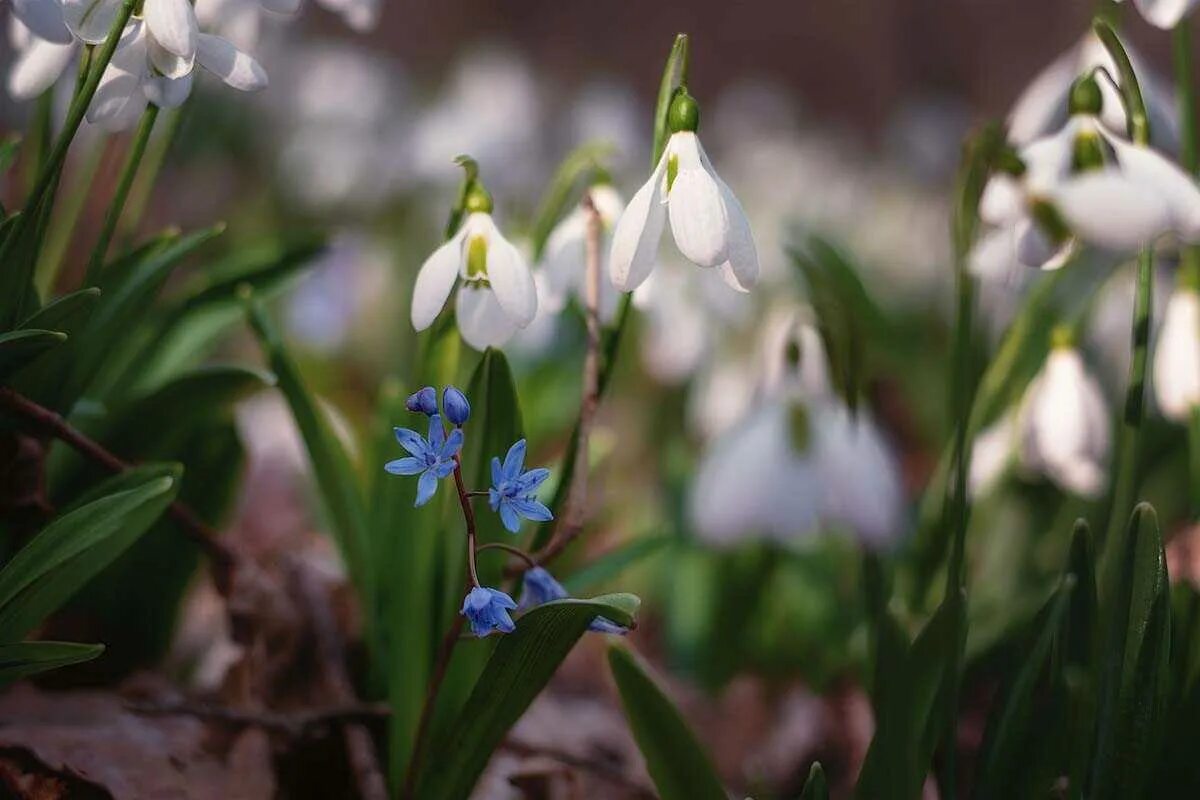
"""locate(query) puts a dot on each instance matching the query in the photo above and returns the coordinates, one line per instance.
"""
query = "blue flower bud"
(540, 587)
(455, 404)
(487, 610)
(423, 402)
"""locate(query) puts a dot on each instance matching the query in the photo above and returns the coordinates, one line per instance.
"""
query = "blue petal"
(494, 499)
(527, 483)
(405, 466)
(437, 434)
(504, 623)
(412, 441)
(444, 468)
(426, 486)
(529, 508)
(514, 461)
(603, 625)
(497, 475)
(509, 517)
(476, 599)
(453, 444)
(500, 599)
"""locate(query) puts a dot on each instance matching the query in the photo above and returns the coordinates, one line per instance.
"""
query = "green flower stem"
(137, 148)
(143, 186)
(48, 176)
(40, 133)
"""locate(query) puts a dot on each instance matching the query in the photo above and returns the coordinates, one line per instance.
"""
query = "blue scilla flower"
(458, 410)
(487, 610)
(423, 402)
(541, 587)
(512, 491)
(432, 458)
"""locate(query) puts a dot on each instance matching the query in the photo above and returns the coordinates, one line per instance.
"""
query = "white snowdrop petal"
(1161, 176)
(172, 23)
(90, 20)
(435, 279)
(563, 261)
(231, 65)
(991, 453)
(44, 18)
(1043, 104)
(1164, 14)
(1177, 357)
(1002, 202)
(120, 91)
(168, 92)
(994, 257)
(166, 62)
(481, 320)
(637, 233)
(37, 68)
(740, 268)
(699, 218)
(608, 203)
(511, 280)
(1109, 210)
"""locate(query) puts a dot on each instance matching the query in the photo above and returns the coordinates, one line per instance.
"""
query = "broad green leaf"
(63, 313)
(21, 347)
(20, 245)
(335, 474)
(581, 166)
(1135, 677)
(42, 380)
(815, 788)
(677, 763)
(74, 547)
(22, 659)
(520, 667)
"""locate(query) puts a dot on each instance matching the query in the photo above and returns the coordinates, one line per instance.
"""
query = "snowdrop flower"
(432, 458)
(487, 610)
(361, 15)
(539, 586)
(707, 221)
(1065, 426)
(43, 19)
(991, 454)
(496, 293)
(1043, 107)
(40, 61)
(511, 494)
(172, 32)
(1177, 355)
(1165, 14)
(564, 262)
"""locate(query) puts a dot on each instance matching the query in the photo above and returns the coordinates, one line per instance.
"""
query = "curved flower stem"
(508, 548)
(137, 149)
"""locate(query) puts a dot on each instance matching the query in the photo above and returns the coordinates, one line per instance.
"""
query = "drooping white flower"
(171, 30)
(43, 19)
(1177, 356)
(707, 221)
(1043, 107)
(496, 291)
(564, 262)
(992, 453)
(1165, 14)
(40, 62)
(1065, 426)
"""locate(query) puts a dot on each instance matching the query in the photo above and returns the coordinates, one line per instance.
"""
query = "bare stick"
(52, 424)
(331, 657)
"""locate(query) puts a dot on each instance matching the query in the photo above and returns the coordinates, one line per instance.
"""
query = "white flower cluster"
(158, 52)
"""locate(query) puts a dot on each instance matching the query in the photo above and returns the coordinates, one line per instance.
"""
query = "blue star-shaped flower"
(432, 458)
(541, 587)
(512, 491)
(487, 610)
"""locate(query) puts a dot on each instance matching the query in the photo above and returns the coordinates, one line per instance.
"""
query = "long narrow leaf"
(22, 659)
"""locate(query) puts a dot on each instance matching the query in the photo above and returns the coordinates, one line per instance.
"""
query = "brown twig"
(570, 524)
(52, 424)
(597, 767)
(294, 725)
(360, 749)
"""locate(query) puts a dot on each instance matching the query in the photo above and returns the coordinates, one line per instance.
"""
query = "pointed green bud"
(684, 113)
(1086, 97)
(478, 199)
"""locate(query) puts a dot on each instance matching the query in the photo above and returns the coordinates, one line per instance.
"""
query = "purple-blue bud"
(455, 404)
(423, 402)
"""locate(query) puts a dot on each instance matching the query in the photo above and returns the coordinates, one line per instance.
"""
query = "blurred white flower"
(239, 21)
(361, 15)
(607, 112)
(40, 62)
(707, 221)
(1043, 107)
(564, 261)
(497, 294)
(1177, 356)
(1065, 425)
(43, 19)
(170, 30)
(338, 292)
(1165, 14)
(991, 455)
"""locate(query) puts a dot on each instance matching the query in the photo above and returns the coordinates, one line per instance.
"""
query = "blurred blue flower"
(541, 587)
(432, 458)
(423, 402)
(512, 490)
(487, 610)
(458, 410)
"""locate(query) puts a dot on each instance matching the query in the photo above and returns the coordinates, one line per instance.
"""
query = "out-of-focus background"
(842, 118)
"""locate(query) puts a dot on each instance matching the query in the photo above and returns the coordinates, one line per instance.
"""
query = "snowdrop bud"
(1086, 97)
(478, 199)
(1177, 355)
(454, 402)
(423, 402)
(684, 113)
